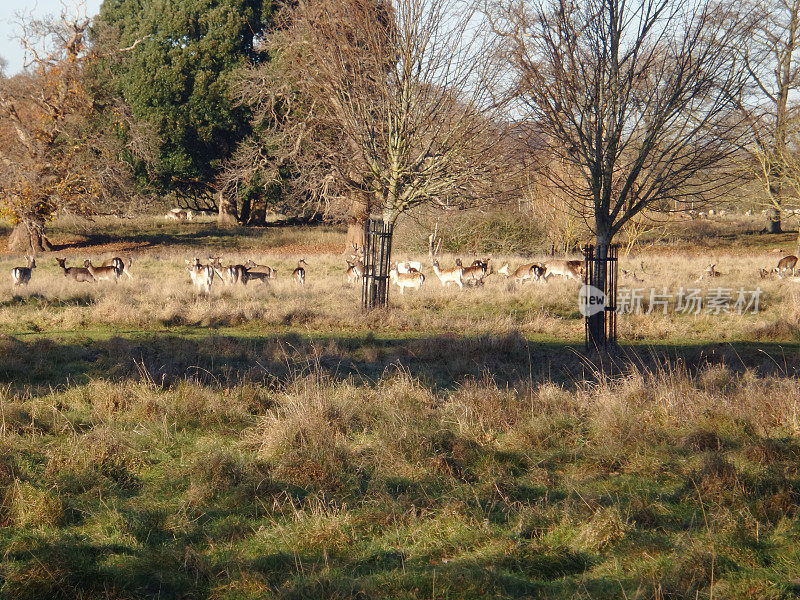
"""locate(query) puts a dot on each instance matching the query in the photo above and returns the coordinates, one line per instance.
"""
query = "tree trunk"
(246, 214)
(596, 323)
(774, 221)
(227, 210)
(28, 237)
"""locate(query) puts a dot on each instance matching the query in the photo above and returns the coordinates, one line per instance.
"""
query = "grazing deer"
(449, 275)
(711, 272)
(413, 279)
(787, 263)
(231, 274)
(109, 273)
(22, 275)
(532, 271)
(80, 274)
(179, 214)
(202, 275)
(571, 269)
(299, 274)
(119, 265)
(259, 272)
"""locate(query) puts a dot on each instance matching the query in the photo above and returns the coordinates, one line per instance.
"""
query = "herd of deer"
(111, 270)
(406, 274)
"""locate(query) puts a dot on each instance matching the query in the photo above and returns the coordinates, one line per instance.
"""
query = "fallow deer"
(80, 274)
(22, 275)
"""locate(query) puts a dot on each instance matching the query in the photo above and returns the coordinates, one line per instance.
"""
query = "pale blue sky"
(10, 49)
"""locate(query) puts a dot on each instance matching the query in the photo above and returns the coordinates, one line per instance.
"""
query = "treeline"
(600, 108)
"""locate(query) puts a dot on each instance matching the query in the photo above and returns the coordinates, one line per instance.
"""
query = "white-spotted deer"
(22, 275)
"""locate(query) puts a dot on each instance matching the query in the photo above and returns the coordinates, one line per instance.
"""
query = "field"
(277, 442)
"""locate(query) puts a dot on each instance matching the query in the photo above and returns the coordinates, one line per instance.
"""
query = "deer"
(787, 263)
(22, 275)
(571, 269)
(413, 279)
(119, 265)
(231, 274)
(355, 270)
(80, 274)
(202, 275)
(711, 271)
(408, 266)
(259, 272)
(532, 271)
(447, 276)
(475, 272)
(109, 273)
(299, 274)
(179, 214)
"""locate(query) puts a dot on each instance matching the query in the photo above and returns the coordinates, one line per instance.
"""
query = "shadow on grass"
(442, 361)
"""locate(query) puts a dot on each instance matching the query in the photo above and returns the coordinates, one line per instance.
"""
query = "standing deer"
(22, 275)
(259, 272)
(119, 265)
(447, 276)
(299, 274)
(413, 279)
(532, 271)
(109, 273)
(80, 274)
(202, 275)
(231, 274)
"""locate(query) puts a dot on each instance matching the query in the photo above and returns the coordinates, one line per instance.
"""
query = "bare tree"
(51, 157)
(634, 100)
(769, 57)
(377, 107)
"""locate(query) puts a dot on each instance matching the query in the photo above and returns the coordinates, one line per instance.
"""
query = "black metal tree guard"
(377, 254)
(602, 273)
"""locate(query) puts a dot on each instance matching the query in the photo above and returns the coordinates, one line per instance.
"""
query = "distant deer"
(710, 272)
(532, 271)
(22, 275)
(447, 276)
(80, 274)
(202, 275)
(787, 263)
(119, 265)
(571, 269)
(109, 273)
(299, 274)
(259, 272)
(413, 280)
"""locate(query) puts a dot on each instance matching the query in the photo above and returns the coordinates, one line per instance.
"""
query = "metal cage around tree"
(377, 256)
(601, 272)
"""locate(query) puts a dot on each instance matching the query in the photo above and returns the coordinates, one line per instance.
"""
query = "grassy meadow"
(273, 441)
